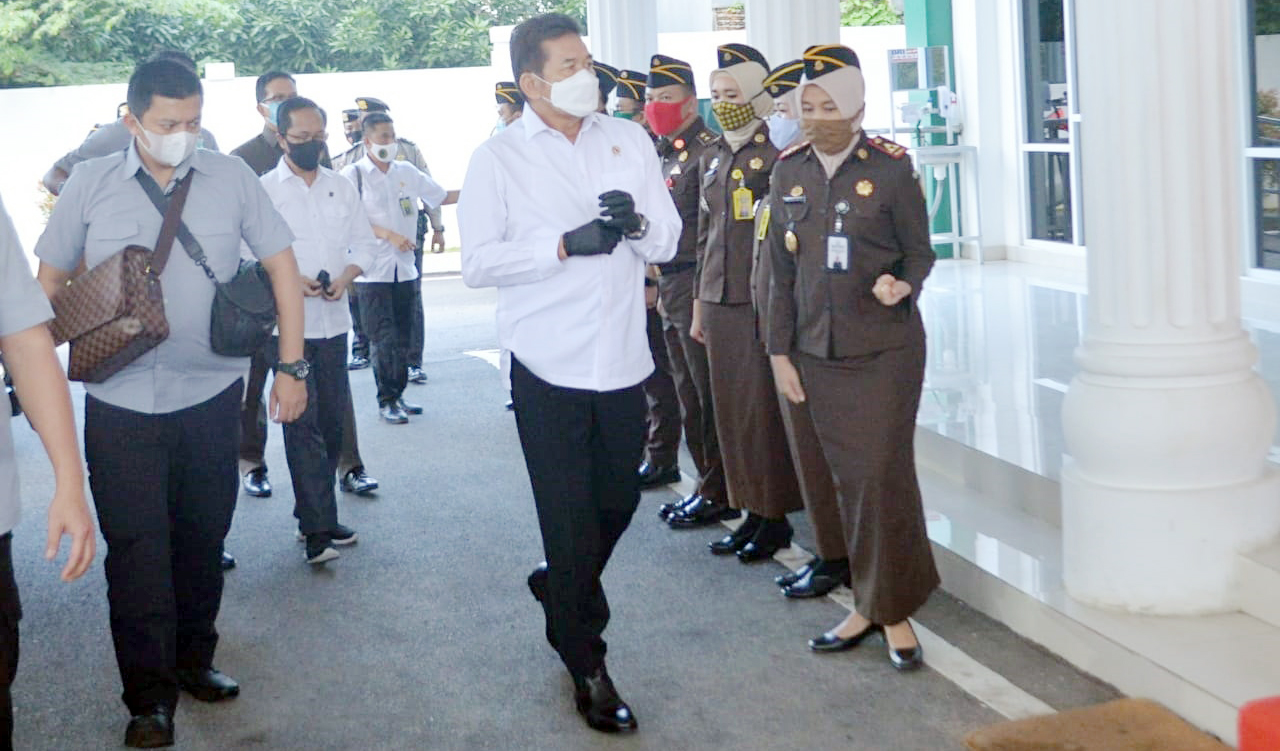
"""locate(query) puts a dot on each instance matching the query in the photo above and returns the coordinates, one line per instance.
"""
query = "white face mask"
(170, 150)
(782, 130)
(578, 95)
(384, 152)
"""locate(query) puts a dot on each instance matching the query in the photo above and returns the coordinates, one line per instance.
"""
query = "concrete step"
(1258, 580)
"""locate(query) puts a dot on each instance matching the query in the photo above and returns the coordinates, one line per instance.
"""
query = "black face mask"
(306, 155)
(355, 136)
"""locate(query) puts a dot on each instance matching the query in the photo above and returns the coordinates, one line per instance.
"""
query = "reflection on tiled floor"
(1002, 338)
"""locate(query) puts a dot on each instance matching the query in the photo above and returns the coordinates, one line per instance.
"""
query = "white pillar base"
(1166, 551)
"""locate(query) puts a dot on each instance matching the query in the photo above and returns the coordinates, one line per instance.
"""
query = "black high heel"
(738, 538)
(906, 660)
(830, 642)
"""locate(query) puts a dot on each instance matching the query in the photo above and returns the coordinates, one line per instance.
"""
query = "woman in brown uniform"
(734, 173)
(830, 568)
(849, 241)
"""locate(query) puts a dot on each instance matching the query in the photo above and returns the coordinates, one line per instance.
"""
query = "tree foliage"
(868, 13)
(52, 42)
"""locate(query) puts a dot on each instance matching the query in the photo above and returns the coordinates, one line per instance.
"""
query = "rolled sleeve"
(261, 226)
(488, 258)
(22, 301)
(430, 191)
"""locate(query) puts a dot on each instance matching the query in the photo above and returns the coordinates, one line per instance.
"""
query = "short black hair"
(376, 118)
(160, 78)
(260, 89)
(527, 55)
(284, 116)
(173, 55)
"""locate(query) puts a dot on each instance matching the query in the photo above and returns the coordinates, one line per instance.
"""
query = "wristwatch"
(299, 370)
(642, 231)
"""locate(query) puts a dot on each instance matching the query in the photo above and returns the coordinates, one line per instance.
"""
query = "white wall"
(448, 112)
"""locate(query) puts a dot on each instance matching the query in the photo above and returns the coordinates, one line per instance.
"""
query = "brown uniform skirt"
(753, 441)
(814, 474)
(864, 410)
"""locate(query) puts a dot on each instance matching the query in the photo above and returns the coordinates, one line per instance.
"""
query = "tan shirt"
(680, 155)
(725, 231)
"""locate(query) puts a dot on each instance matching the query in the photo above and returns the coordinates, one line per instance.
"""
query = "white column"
(782, 30)
(1167, 425)
(624, 33)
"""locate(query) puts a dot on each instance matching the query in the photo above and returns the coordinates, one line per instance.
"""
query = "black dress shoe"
(207, 684)
(417, 375)
(599, 703)
(256, 484)
(151, 729)
(772, 536)
(830, 642)
(358, 362)
(538, 588)
(735, 540)
(820, 580)
(701, 513)
(905, 660)
(409, 409)
(791, 577)
(357, 481)
(667, 509)
(392, 414)
(228, 561)
(653, 476)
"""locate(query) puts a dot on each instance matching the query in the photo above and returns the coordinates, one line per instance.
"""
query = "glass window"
(1044, 36)
(1266, 180)
(1049, 180)
(1266, 73)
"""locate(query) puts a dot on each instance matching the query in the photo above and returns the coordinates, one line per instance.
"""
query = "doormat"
(1123, 725)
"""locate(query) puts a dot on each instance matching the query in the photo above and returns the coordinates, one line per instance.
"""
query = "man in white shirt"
(333, 245)
(390, 190)
(571, 316)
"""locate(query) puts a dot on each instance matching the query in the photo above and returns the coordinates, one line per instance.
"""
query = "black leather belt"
(675, 268)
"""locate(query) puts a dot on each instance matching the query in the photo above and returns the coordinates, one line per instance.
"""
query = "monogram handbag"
(114, 313)
(244, 308)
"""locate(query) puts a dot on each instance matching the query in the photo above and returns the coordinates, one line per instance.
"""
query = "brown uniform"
(689, 367)
(757, 463)
(812, 471)
(861, 363)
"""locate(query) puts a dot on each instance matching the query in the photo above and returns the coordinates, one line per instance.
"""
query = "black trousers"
(313, 442)
(359, 342)
(663, 440)
(387, 308)
(10, 613)
(417, 335)
(582, 449)
(165, 489)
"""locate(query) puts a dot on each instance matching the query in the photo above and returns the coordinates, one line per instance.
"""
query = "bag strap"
(171, 208)
(359, 182)
(173, 224)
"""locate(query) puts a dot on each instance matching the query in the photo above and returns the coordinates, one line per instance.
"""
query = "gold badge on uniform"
(756, 163)
(862, 154)
(865, 188)
(791, 241)
(684, 156)
(797, 190)
(678, 143)
(762, 226)
(759, 138)
(736, 174)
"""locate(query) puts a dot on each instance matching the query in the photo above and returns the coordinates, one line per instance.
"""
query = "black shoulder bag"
(244, 308)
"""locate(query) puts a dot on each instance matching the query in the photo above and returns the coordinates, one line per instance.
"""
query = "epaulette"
(793, 150)
(707, 137)
(351, 150)
(407, 142)
(888, 147)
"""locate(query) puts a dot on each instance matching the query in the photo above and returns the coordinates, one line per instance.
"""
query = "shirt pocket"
(220, 240)
(624, 180)
(105, 237)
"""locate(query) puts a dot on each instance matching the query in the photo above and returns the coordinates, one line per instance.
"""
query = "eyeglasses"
(301, 138)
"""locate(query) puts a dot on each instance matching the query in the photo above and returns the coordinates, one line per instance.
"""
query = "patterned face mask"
(732, 115)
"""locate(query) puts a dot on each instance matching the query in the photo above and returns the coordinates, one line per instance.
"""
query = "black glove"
(620, 211)
(591, 239)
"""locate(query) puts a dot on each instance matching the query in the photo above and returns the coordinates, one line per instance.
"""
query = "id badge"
(406, 206)
(838, 254)
(743, 208)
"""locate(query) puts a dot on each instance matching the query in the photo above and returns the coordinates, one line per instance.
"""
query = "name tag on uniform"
(743, 204)
(406, 206)
(838, 254)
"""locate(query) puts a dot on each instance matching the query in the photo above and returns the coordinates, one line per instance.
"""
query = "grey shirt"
(103, 208)
(22, 305)
(108, 139)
